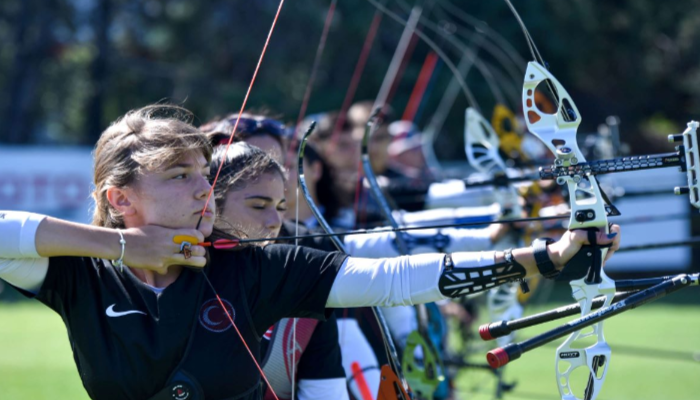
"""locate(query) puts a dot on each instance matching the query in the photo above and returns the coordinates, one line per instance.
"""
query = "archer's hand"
(570, 243)
(152, 247)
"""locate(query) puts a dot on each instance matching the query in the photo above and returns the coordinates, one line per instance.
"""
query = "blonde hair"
(146, 139)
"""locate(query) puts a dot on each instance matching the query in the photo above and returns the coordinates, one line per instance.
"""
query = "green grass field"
(652, 357)
(655, 356)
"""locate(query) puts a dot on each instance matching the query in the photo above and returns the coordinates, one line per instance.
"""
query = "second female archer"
(142, 319)
(296, 352)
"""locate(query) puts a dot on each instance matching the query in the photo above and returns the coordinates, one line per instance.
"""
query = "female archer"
(270, 138)
(250, 202)
(148, 318)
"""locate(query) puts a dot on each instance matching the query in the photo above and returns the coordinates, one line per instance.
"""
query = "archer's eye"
(258, 206)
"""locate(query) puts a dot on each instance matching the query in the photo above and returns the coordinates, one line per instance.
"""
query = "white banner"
(55, 181)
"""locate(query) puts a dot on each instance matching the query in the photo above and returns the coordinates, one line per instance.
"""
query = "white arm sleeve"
(449, 216)
(453, 193)
(398, 281)
(18, 232)
(314, 389)
(27, 274)
(20, 264)
(381, 244)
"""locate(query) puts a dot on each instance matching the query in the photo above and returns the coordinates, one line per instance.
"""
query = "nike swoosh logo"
(111, 313)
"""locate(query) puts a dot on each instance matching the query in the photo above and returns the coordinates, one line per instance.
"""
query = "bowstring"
(309, 85)
(245, 101)
(355, 80)
(240, 335)
(467, 92)
(292, 146)
(213, 185)
(536, 56)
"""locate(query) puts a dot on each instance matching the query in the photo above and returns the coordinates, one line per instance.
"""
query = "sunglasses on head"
(252, 126)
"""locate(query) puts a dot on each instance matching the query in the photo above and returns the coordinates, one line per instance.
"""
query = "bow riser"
(558, 132)
(481, 144)
(559, 135)
(570, 356)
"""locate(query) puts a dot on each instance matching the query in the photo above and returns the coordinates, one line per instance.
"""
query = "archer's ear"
(120, 199)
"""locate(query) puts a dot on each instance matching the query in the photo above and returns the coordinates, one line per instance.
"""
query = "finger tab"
(179, 239)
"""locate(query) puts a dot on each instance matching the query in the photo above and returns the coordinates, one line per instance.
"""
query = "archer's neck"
(157, 280)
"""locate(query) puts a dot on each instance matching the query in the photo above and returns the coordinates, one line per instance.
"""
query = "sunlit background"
(70, 67)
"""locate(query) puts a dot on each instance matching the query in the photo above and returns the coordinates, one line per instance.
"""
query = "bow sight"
(686, 157)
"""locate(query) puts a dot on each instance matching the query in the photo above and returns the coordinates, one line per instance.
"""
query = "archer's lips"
(207, 213)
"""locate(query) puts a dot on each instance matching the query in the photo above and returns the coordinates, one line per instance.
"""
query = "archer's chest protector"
(284, 353)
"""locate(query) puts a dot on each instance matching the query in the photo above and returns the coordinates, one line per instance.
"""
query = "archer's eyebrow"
(188, 166)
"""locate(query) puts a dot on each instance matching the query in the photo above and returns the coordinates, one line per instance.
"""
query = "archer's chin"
(206, 226)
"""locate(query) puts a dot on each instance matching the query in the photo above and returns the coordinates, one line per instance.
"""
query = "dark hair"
(325, 187)
(144, 139)
(243, 164)
(326, 124)
(357, 115)
(219, 130)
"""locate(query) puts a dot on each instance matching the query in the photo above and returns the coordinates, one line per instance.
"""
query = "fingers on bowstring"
(195, 259)
(192, 232)
(197, 251)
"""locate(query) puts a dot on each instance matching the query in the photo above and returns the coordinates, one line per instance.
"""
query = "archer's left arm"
(426, 278)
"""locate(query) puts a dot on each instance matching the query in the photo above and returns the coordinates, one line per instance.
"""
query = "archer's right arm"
(28, 240)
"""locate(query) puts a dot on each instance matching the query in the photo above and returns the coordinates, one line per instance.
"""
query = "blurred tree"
(68, 67)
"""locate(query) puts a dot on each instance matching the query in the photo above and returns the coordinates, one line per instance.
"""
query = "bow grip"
(588, 262)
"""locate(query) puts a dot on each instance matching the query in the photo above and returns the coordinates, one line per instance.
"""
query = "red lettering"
(41, 183)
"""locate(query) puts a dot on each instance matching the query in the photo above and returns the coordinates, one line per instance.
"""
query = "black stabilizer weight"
(494, 330)
(501, 356)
